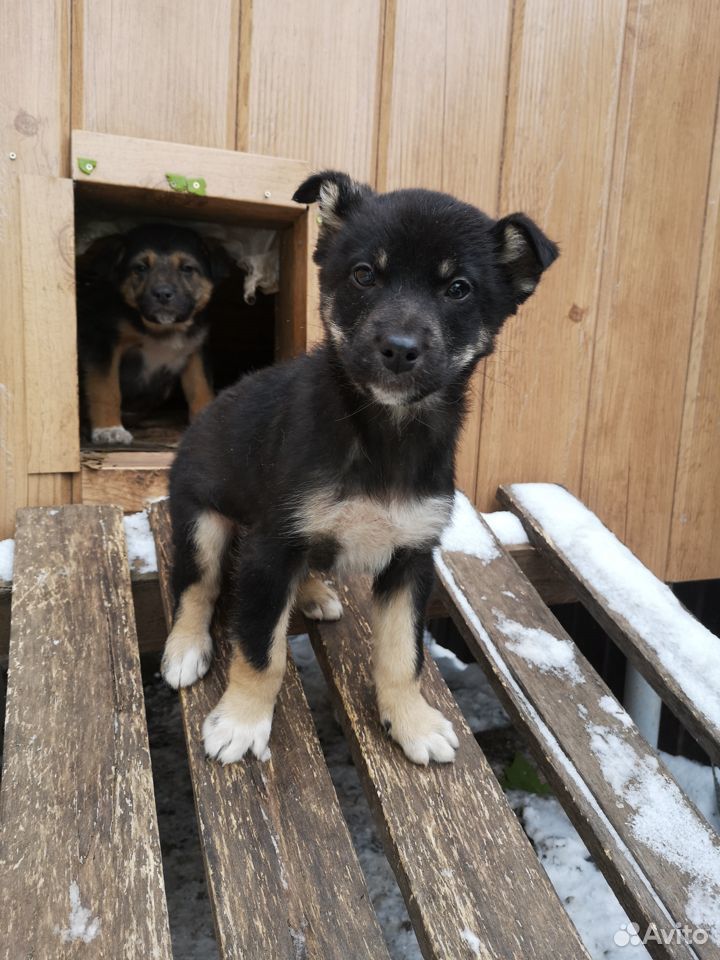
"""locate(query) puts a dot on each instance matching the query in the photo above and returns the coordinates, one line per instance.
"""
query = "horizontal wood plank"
(625, 805)
(282, 873)
(678, 669)
(471, 881)
(80, 861)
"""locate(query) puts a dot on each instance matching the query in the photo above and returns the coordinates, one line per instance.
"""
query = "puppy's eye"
(458, 289)
(140, 268)
(187, 268)
(363, 275)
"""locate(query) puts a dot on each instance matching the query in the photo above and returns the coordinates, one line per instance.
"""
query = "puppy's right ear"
(337, 193)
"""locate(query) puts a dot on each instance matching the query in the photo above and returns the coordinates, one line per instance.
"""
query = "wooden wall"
(596, 117)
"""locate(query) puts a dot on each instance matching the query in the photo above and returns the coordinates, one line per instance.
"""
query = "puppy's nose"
(163, 292)
(399, 351)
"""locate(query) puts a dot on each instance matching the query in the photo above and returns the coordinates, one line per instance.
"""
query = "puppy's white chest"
(169, 353)
(369, 531)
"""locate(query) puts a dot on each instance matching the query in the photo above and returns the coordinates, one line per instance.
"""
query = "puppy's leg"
(264, 579)
(200, 544)
(400, 594)
(102, 389)
(317, 601)
(196, 388)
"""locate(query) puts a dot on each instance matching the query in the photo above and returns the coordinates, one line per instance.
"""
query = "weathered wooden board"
(647, 299)
(471, 881)
(128, 479)
(627, 808)
(695, 528)
(282, 873)
(557, 161)
(441, 124)
(636, 644)
(314, 82)
(168, 71)
(80, 861)
(49, 323)
(264, 183)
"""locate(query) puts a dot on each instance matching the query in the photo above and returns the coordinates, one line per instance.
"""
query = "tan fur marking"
(196, 388)
(102, 391)
(317, 601)
(515, 244)
(446, 268)
(381, 259)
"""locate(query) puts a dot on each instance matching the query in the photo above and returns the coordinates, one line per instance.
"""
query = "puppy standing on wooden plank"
(344, 459)
(141, 323)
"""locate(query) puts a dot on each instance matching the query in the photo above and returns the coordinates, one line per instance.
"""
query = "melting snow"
(82, 926)
(140, 543)
(472, 940)
(549, 654)
(506, 527)
(7, 555)
(686, 649)
(466, 534)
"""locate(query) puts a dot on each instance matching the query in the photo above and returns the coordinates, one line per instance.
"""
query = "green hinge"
(86, 165)
(182, 184)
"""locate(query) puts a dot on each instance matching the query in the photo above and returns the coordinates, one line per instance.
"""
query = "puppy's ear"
(524, 251)
(102, 258)
(337, 193)
(218, 258)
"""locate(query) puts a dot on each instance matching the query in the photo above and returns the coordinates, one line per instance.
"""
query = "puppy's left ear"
(337, 193)
(218, 258)
(524, 251)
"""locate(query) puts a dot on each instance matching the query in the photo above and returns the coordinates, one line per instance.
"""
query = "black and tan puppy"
(141, 323)
(343, 459)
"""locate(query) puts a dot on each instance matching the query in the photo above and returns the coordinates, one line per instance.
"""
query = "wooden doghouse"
(130, 177)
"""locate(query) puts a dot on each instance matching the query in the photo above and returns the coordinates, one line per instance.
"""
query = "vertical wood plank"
(441, 125)
(34, 109)
(650, 271)
(50, 489)
(165, 71)
(695, 528)
(314, 82)
(560, 126)
(48, 285)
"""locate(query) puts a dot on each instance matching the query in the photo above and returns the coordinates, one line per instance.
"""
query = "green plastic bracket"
(177, 182)
(86, 165)
(197, 186)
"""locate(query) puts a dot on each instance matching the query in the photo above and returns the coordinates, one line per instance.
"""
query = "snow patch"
(471, 939)
(140, 543)
(685, 648)
(611, 706)
(466, 534)
(506, 527)
(7, 556)
(549, 654)
(82, 925)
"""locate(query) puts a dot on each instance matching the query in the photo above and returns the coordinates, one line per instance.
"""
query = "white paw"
(423, 732)
(228, 737)
(318, 601)
(111, 435)
(185, 659)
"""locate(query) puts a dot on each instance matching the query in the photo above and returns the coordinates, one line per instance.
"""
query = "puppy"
(141, 323)
(342, 460)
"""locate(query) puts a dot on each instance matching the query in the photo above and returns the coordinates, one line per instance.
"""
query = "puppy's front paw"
(111, 435)
(317, 601)
(421, 730)
(229, 732)
(185, 659)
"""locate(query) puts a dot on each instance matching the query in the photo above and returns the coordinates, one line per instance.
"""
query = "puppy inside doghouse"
(143, 322)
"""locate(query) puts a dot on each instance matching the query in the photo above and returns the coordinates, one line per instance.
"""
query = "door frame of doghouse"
(168, 179)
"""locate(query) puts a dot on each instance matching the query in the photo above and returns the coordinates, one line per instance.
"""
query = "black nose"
(399, 351)
(163, 292)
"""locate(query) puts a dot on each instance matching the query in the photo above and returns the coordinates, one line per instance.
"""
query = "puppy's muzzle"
(399, 352)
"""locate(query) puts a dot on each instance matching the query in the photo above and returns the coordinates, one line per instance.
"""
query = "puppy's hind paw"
(423, 732)
(228, 736)
(185, 659)
(317, 601)
(114, 435)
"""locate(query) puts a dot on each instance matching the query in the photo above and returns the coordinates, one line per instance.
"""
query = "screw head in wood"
(12, 155)
(267, 194)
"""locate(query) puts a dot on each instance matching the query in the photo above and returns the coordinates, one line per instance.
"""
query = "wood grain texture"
(49, 322)
(314, 82)
(166, 71)
(77, 805)
(634, 644)
(282, 873)
(267, 183)
(49, 489)
(462, 862)
(693, 552)
(441, 124)
(585, 743)
(647, 298)
(557, 161)
(126, 479)
(34, 108)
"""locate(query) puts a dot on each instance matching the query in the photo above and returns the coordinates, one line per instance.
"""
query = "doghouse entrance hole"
(242, 337)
